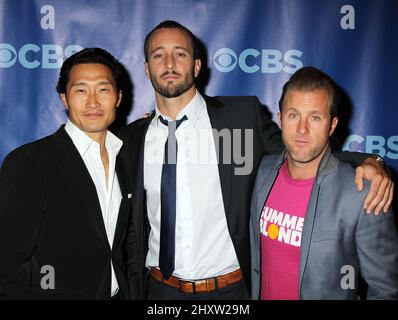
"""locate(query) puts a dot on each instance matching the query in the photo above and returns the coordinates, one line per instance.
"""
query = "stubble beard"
(173, 90)
(308, 157)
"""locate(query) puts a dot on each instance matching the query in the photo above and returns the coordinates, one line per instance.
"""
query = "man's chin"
(167, 93)
(301, 157)
(172, 90)
(304, 158)
(172, 94)
(95, 128)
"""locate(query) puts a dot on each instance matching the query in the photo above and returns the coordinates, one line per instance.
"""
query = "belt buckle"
(191, 282)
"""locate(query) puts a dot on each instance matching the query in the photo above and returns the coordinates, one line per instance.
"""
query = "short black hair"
(171, 24)
(89, 55)
(311, 79)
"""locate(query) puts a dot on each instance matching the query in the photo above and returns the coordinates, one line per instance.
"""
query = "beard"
(171, 90)
(304, 156)
(311, 155)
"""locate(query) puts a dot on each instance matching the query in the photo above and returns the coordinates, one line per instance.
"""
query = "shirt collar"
(83, 142)
(192, 110)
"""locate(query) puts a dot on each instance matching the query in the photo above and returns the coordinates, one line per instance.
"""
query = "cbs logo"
(384, 147)
(251, 60)
(31, 56)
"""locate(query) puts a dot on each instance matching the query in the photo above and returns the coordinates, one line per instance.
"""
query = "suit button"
(255, 270)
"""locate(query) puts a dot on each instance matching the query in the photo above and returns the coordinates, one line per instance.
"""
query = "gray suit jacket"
(336, 233)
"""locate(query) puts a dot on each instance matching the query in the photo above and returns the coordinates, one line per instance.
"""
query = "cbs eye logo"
(252, 60)
(8, 55)
(225, 60)
(31, 55)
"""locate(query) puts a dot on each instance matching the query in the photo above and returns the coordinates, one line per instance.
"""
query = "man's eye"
(104, 89)
(80, 90)
(181, 54)
(292, 116)
(316, 118)
(157, 56)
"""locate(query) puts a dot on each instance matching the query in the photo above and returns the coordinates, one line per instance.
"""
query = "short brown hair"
(171, 24)
(311, 79)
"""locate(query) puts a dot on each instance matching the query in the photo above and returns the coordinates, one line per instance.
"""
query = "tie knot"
(177, 122)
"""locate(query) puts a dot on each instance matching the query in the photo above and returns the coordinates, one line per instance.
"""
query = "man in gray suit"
(310, 236)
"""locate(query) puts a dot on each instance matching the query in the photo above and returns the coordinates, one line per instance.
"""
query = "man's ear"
(146, 69)
(62, 96)
(119, 100)
(280, 119)
(197, 67)
(333, 125)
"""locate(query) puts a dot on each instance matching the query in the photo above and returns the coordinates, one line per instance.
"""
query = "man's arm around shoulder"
(269, 130)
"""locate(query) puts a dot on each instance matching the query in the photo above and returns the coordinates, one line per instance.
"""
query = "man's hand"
(381, 186)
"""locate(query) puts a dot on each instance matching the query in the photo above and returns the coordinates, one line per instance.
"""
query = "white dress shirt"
(109, 197)
(203, 246)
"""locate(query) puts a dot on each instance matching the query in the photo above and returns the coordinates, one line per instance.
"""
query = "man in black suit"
(64, 199)
(191, 184)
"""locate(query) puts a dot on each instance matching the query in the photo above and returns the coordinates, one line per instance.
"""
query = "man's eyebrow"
(182, 48)
(316, 112)
(105, 82)
(156, 49)
(176, 47)
(82, 83)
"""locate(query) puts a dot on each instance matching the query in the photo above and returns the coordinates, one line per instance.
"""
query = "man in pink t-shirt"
(281, 225)
(310, 236)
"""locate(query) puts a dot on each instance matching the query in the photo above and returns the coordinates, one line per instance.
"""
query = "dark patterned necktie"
(168, 200)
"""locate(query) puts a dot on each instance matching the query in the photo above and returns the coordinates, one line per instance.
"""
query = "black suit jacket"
(50, 215)
(224, 113)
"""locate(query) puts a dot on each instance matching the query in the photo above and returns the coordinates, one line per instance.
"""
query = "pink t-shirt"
(281, 225)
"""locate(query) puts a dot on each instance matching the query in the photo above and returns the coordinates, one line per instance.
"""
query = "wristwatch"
(379, 159)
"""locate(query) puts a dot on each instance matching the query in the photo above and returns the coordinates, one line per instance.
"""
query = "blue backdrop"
(253, 46)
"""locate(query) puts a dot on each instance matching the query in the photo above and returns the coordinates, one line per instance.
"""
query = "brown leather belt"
(199, 286)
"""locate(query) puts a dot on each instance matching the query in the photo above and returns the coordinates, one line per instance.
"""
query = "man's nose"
(170, 62)
(302, 126)
(92, 101)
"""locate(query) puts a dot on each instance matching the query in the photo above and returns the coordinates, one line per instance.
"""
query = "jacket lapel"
(137, 154)
(73, 162)
(264, 190)
(261, 194)
(217, 120)
(124, 203)
(327, 164)
(134, 162)
(306, 234)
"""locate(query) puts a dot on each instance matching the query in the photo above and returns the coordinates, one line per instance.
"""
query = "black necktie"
(168, 200)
